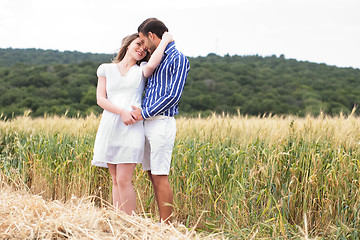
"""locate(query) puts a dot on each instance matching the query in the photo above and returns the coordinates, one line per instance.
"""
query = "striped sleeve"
(172, 96)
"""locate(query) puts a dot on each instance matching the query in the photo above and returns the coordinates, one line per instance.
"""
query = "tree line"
(54, 82)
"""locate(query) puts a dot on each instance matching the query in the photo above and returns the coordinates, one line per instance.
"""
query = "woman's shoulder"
(104, 65)
(101, 71)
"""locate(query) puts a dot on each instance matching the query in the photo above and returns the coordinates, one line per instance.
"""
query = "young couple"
(134, 130)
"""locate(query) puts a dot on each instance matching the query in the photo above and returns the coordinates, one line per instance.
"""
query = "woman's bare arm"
(156, 57)
(107, 105)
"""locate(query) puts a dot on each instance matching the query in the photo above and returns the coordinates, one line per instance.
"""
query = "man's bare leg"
(164, 196)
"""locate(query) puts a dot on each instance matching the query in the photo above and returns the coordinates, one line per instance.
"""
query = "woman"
(119, 143)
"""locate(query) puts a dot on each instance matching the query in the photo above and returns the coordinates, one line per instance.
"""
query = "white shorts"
(160, 132)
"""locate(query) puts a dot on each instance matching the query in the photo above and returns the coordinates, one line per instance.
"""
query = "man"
(159, 106)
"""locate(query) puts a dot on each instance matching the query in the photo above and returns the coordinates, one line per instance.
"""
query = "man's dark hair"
(153, 25)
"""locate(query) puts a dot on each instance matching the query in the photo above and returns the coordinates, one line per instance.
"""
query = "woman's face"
(137, 50)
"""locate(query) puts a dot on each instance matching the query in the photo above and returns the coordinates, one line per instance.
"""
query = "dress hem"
(104, 164)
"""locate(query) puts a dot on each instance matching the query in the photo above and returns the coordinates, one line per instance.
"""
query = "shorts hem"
(159, 173)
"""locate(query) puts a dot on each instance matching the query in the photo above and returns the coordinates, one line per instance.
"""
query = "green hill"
(32, 56)
(54, 82)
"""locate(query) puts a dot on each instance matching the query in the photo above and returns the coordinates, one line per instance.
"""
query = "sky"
(321, 31)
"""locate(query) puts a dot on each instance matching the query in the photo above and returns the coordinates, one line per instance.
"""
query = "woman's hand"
(127, 118)
(167, 37)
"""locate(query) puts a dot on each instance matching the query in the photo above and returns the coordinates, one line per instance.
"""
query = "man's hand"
(136, 113)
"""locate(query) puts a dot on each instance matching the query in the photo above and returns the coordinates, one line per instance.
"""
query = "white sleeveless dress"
(116, 143)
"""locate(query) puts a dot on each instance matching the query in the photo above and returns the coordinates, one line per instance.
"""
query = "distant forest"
(54, 82)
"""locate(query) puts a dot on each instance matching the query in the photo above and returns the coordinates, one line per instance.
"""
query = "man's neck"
(157, 42)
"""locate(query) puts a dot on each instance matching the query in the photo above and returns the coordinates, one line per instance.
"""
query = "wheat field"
(241, 177)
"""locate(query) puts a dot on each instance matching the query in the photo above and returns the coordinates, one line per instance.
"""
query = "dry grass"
(52, 125)
(26, 216)
(272, 130)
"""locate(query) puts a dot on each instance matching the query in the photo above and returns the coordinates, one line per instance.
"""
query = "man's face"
(146, 41)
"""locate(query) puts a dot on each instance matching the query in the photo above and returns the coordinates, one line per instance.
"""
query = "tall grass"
(250, 177)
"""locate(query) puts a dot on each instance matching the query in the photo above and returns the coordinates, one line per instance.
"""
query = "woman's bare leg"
(115, 188)
(124, 175)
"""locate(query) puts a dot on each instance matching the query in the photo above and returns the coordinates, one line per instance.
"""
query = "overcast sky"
(322, 31)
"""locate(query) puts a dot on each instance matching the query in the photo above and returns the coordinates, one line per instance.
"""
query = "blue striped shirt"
(165, 85)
